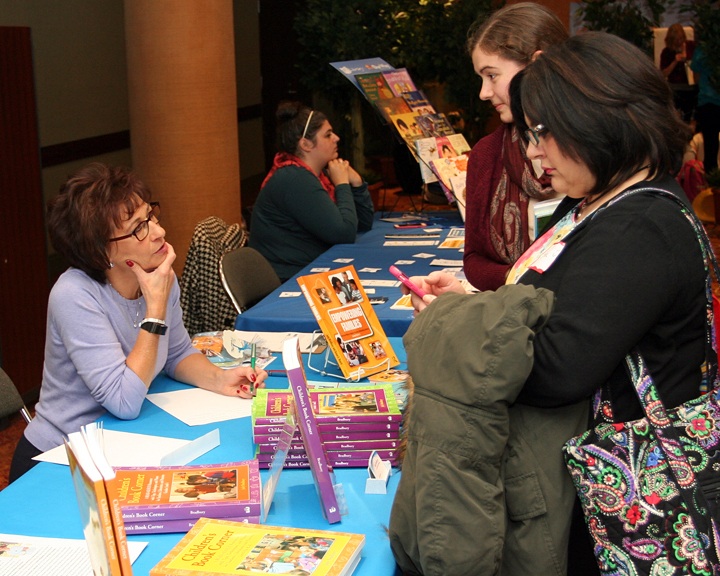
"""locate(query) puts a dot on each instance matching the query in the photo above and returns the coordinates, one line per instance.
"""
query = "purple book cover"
(322, 473)
(334, 436)
(188, 492)
(337, 446)
(183, 525)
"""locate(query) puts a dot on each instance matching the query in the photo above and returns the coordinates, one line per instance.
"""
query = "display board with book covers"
(351, 327)
(410, 115)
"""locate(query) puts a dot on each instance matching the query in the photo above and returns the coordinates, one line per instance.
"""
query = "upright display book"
(348, 321)
(408, 128)
(435, 125)
(374, 86)
(418, 102)
(220, 547)
(435, 147)
(390, 106)
(451, 173)
(102, 524)
(192, 491)
(321, 470)
(399, 81)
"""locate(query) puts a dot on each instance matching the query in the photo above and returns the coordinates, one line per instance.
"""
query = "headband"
(307, 124)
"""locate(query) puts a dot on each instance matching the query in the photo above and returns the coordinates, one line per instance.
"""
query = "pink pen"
(414, 288)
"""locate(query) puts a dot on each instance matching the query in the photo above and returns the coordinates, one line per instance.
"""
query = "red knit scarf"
(509, 204)
(283, 159)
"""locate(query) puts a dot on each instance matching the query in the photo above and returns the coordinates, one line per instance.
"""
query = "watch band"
(154, 326)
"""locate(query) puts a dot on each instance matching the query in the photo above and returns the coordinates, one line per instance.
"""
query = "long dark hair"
(606, 105)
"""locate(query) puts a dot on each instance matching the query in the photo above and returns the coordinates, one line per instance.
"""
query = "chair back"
(247, 277)
(10, 399)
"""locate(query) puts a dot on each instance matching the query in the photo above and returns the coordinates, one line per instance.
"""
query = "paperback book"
(436, 147)
(374, 86)
(418, 102)
(164, 493)
(399, 81)
(99, 509)
(434, 125)
(218, 547)
(451, 173)
(172, 526)
(391, 444)
(348, 404)
(321, 469)
(349, 323)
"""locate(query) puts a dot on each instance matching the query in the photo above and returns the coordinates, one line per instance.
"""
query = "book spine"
(336, 446)
(376, 426)
(334, 457)
(335, 436)
(313, 445)
(300, 464)
(170, 526)
(120, 533)
(158, 512)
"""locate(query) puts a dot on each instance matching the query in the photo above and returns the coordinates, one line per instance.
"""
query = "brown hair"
(606, 105)
(675, 36)
(292, 117)
(516, 32)
(81, 216)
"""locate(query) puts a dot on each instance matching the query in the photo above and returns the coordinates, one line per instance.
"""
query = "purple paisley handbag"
(650, 488)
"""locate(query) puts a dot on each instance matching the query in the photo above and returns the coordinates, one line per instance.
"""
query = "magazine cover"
(348, 321)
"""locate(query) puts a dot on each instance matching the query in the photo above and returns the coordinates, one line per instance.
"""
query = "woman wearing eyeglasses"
(502, 183)
(311, 199)
(623, 262)
(114, 318)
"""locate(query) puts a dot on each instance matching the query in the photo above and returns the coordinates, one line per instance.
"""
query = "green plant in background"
(632, 20)
(425, 36)
(706, 21)
(713, 179)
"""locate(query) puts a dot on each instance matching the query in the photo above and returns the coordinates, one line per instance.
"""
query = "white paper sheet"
(56, 556)
(196, 406)
(130, 449)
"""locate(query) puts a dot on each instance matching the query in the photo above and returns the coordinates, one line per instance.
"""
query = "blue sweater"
(89, 334)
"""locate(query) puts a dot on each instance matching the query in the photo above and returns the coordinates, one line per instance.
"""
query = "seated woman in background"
(114, 317)
(502, 183)
(311, 199)
(626, 269)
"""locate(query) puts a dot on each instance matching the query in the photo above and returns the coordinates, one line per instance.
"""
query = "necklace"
(587, 201)
(128, 311)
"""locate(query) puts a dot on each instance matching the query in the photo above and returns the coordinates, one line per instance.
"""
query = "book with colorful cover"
(334, 427)
(368, 403)
(102, 525)
(348, 321)
(374, 86)
(305, 418)
(190, 491)
(390, 106)
(418, 102)
(408, 128)
(434, 147)
(399, 81)
(434, 125)
(182, 525)
(451, 173)
(220, 547)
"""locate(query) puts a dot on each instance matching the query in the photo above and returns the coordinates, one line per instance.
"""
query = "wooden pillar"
(183, 111)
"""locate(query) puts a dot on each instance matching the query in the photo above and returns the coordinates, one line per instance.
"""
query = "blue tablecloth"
(276, 314)
(43, 501)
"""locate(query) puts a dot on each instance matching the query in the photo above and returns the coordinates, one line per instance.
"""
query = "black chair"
(247, 277)
(10, 399)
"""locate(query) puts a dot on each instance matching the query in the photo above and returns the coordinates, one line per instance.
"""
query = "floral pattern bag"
(650, 488)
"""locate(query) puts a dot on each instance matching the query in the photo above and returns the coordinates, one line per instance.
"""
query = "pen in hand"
(253, 361)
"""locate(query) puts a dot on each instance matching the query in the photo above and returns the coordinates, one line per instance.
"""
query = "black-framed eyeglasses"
(533, 134)
(143, 228)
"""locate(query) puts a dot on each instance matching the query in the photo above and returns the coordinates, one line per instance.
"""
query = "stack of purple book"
(352, 423)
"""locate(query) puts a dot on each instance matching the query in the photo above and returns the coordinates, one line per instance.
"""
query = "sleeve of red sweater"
(482, 267)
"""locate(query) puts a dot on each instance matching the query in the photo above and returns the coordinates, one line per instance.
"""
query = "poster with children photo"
(345, 287)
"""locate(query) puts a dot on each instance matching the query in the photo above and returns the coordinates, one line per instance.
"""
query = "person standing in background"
(502, 183)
